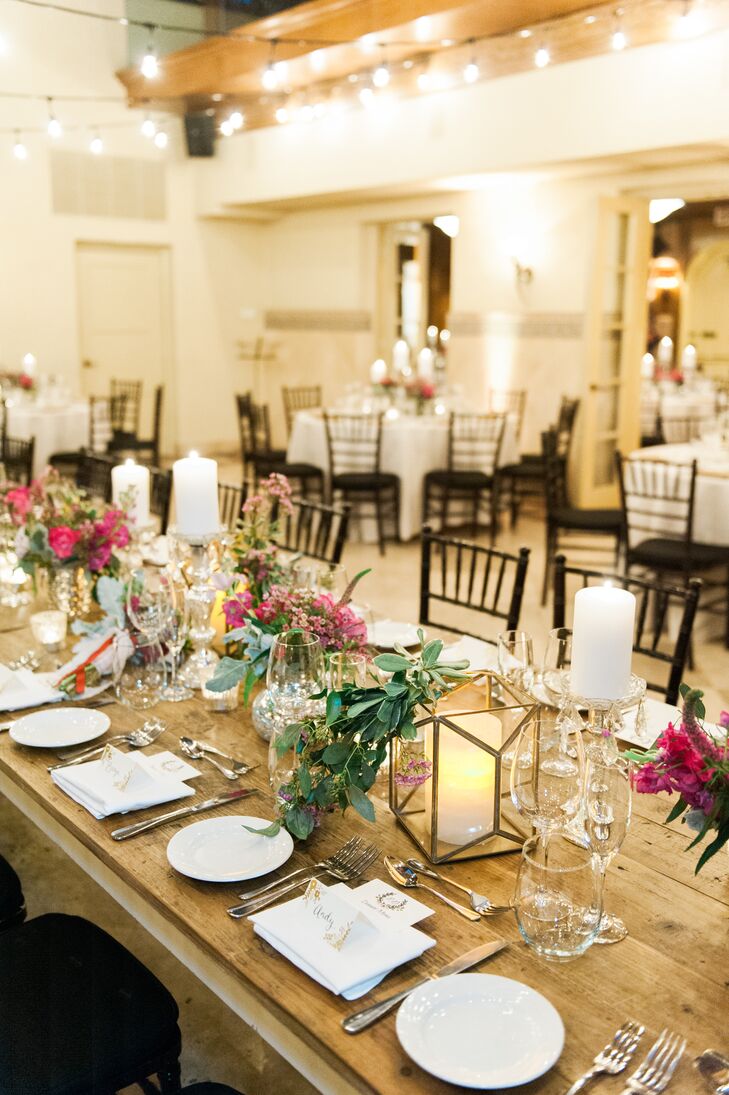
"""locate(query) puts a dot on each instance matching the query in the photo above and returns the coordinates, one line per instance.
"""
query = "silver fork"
(614, 1057)
(653, 1075)
(344, 874)
(238, 766)
(479, 903)
(137, 739)
(353, 845)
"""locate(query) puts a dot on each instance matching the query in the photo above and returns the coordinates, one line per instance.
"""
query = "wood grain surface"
(672, 971)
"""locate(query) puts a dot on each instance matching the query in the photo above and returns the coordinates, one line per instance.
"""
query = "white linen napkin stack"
(21, 688)
(120, 782)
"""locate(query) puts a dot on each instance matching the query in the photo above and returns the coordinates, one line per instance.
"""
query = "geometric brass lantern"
(449, 788)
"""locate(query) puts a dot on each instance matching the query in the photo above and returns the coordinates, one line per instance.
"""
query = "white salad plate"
(480, 1031)
(385, 633)
(59, 727)
(221, 849)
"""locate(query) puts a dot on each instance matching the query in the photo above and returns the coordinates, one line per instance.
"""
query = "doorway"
(125, 329)
(705, 319)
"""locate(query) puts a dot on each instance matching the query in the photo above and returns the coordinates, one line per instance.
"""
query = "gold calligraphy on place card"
(117, 767)
(330, 914)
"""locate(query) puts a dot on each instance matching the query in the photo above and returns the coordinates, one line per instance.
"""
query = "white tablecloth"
(676, 405)
(412, 445)
(711, 504)
(56, 429)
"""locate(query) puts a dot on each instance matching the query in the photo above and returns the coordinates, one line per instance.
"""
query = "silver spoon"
(714, 1068)
(479, 903)
(406, 876)
(197, 754)
(238, 766)
(137, 739)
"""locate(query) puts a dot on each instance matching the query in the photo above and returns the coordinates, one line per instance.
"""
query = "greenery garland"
(340, 752)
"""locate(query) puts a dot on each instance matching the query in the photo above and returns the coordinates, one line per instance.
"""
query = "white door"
(706, 316)
(125, 329)
(610, 419)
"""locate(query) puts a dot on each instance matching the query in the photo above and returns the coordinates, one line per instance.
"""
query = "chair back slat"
(106, 418)
(301, 398)
(230, 504)
(565, 427)
(474, 442)
(657, 499)
(683, 430)
(313, 529)
(17, 459)
(131, 390)
(508, 403)
(493, 584)
(654, 602)
(354, 442)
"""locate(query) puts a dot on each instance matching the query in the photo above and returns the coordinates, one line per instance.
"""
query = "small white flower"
(22, 543)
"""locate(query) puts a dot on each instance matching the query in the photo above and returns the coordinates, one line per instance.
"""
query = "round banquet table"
(711, 504)
(56, 429)
(412, 445)
(676, 406)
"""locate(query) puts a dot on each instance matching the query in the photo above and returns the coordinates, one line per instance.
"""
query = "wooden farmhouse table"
(672, 971)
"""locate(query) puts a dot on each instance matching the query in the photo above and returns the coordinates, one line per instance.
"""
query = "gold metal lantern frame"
(449, 788)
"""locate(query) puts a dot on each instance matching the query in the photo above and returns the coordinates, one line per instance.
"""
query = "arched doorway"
(705, 308)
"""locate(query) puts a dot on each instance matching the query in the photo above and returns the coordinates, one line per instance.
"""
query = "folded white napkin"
(120, 782)
(367, 956)
(21, 688)
(480, 654)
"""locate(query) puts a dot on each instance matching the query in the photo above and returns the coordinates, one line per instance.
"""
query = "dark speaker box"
(200, 134)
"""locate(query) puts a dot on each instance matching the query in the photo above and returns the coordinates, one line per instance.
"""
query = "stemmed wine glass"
(175, 630)
(557, 659)
(347, 667)
(515, 653)
(608, 805)
(547, 772)
(296, 676)
(147, 605)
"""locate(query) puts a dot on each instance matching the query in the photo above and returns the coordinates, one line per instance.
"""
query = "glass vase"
(70, 591)
(263, 714)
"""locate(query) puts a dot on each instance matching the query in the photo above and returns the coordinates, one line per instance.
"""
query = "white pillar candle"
(648, 366)
(466, 781)
(133, 477)
(602, 642)
(665, 351)
(378, 371)
(689, 358)
(196, 495)
(401, 357)
(426, 363)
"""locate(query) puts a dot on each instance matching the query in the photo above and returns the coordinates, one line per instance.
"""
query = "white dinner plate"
(220, 849)
(385, 633)
(480, 1031)
(59, 727)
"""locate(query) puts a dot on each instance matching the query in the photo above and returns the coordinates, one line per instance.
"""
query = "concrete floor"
(216, 1045)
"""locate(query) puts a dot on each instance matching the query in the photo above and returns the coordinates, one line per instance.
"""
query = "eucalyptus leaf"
(270, 830)
(336, 753)
(391, 663)
(304, 777)
(289, 738)
(300, 823)
(228, 673)
(361, 803)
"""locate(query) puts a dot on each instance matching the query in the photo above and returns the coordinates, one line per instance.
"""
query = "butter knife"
(353, 1024)
(186, 811)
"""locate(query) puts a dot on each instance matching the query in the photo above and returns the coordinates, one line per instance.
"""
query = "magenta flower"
(63, 540)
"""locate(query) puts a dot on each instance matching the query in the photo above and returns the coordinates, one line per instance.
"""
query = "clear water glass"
(136, 671)
(296, 675)
(557, 659)
(558, 897)
(547, 771)
(174, 634)
(515, 652)
(347, 667)
(608, 807)
(332, 580)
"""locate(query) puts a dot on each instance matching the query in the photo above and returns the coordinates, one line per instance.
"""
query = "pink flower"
(20, 501)
(236, 609)
(724, 719)
(63, 540)
(100, 555)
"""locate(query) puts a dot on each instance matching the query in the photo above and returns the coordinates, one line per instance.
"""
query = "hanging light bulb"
(149, 66)
(471, 72)
(96, 145)
(619, 40)
(542, 57)
(19, 149)
(226, 128)
(269, 79)
(148, 127)
(525, 32)
(161, 139)
(381, 75)
(55, 129)
(236, 119)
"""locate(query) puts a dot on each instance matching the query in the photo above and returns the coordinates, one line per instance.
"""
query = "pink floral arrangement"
(254, 545)
(27, 382)
(420, 388)
(333, 622)
(58, 525)
(687, 759)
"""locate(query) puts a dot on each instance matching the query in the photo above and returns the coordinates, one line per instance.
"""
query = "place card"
(392, 908)
(331, 914)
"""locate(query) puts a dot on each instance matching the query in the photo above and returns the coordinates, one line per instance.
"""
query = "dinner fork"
(653, 1075)
(479, 903)
(614, 1057)
(137, 739)
(343, 874)
(341, 856)
(238, 766)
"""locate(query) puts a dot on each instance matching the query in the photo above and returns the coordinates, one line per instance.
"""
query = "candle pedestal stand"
(200, 598)
(141, 538)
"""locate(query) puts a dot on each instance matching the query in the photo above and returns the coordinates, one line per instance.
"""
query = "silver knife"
(353, 1024)
(186, 811)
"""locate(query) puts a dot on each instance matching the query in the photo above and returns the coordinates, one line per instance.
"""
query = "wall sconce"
(524, 274)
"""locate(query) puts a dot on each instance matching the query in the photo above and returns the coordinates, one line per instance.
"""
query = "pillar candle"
(689, 358)
(665, 352)
(132, 477)
(466, 781)
(401, 357)
(426, 362)
(378, 371)
(196, 495)
(602, 642)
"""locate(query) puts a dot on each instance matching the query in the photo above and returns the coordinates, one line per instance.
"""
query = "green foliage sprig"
(340, 752)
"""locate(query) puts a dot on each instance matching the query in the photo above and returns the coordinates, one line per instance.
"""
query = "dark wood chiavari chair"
(306, 479)
(230, 504)
(301, 398)
(658, 501)
(471, 477)
(511, 402)
(567, 526)
(354, 442)
(144, 449)
(681, 431)
(314, 529)
(655, 604)
(132, 392)
(17, 459)
(472, 577)
(94, 475)
(160, 495)
(526, 479)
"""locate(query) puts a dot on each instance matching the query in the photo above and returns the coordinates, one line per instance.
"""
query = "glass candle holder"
(49, 629)
(217, 701)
